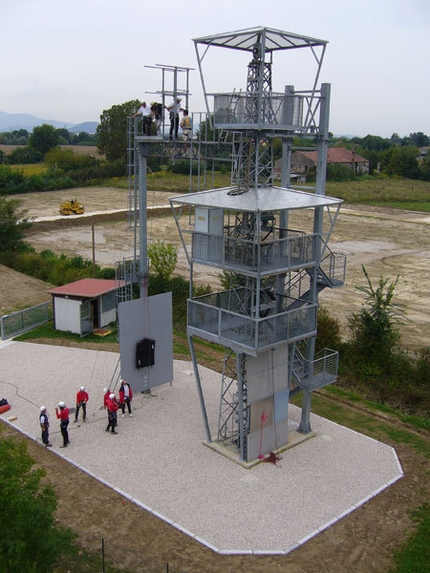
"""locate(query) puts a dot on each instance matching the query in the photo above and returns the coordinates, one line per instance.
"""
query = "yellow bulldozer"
(72, 207)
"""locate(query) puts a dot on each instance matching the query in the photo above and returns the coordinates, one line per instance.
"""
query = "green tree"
(63, 136)
(30, 542)
(401, 162)
(374, 142)
(44, 138)
(163, 258)
(205, 132)
(374, 328)
(12, 225)
(112, 130)
(419, 139)
(83, 138)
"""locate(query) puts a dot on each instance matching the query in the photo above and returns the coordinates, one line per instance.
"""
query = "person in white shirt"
(145, 112)
(174, 110)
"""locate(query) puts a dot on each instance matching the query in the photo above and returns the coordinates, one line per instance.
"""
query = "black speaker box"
(145, 353)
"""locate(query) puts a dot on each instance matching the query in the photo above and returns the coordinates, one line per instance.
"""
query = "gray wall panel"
(266, 374)
(271, 438)
(146, 318)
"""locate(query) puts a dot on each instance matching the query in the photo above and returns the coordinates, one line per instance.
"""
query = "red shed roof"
(86, 288)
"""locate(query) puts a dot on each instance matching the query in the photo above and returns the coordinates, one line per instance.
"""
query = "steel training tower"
(269, 242)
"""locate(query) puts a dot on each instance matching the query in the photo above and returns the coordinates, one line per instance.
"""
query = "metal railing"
(221, 320)
(317, 373)
(296, 112)
(332, 269)
(245, 254)
(25, 320)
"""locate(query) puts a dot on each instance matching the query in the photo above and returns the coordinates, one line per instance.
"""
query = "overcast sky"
(71, 60)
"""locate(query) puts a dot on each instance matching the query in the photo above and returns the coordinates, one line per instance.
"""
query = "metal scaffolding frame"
(277, 271)
(268, 313)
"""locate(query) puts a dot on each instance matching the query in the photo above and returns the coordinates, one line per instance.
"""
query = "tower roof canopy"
(257, 200)
(271, 38)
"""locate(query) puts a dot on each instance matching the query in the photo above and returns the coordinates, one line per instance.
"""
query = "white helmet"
(62, 404)
(82, 388)
(111, 396)
(105, 390)
(42, 408)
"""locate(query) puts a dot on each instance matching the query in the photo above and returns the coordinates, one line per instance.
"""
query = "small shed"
(84, 306)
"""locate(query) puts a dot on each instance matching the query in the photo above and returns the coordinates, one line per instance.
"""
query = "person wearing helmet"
(106, 394)
(63, 415)
(81, 402)
(125, 397)
(44, 424)
(112, 408)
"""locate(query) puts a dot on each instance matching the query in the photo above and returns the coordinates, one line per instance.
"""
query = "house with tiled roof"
(305, 161)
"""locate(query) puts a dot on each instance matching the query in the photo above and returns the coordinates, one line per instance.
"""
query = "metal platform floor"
(265, 509)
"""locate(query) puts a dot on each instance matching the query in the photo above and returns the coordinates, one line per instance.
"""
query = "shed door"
(86, 318)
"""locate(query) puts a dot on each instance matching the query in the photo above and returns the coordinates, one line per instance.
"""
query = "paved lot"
(160, 462)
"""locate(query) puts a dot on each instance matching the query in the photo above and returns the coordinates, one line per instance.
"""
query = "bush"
(24, 156)
(10, 180)
(68, 160)
(328, 331)
(340, 173)
(57, 270)
(71, 170)
(163, 258)
(183, 167)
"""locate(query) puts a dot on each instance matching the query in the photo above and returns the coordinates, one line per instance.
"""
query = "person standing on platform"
(44, 424)
(186, 125)
(174, 110)
(157, 114)
(145, 112)
(125, 397)
(63, 416)
(81, 402)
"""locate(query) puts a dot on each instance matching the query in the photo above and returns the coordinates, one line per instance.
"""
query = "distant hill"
(87, 126)
(15, 121)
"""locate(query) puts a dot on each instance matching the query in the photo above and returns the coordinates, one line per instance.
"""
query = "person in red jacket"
(81, 401)
(63, 416)
(106, 393)
(125, 397)
(112, 407)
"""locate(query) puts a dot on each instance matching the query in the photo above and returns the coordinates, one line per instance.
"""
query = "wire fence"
(123, 558)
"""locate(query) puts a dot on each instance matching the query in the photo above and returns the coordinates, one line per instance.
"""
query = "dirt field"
(387, 242)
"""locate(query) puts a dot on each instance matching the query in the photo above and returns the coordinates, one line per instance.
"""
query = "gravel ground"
(201, 492)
